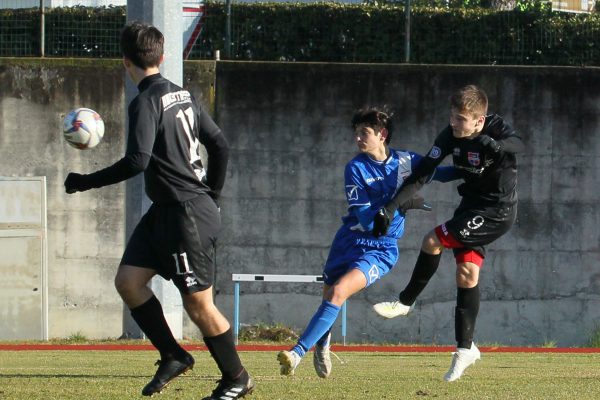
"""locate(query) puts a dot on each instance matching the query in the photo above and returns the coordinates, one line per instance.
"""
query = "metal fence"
(94, 32)
(72, 32)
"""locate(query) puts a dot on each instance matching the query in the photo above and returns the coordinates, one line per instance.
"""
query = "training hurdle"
(237, 278)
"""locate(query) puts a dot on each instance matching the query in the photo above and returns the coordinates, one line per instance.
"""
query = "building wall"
(288, 125)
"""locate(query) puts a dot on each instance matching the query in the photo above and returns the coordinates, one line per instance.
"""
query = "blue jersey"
(370, 185)
(373, 184)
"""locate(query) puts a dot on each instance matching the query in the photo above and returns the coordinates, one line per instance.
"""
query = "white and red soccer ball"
(83, 128)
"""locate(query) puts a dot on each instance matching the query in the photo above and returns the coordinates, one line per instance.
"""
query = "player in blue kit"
(357, 258)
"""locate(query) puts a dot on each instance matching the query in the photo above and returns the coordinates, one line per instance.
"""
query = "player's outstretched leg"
(288, 361)
(322, 356)
(424, 269)
(461, 360)
(316, 331)
(168, 369)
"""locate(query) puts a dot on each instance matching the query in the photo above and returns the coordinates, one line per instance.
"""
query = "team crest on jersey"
(435, 152)
(473, 159)
(352, 192)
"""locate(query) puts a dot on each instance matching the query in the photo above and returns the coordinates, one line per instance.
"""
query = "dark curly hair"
(374, 118)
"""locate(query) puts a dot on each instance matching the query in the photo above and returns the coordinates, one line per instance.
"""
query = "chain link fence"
(68, 32)
(270, 32)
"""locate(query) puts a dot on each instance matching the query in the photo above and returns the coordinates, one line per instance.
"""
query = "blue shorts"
(353, 249)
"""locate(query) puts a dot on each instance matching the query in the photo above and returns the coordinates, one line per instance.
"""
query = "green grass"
(120, 375)
(595, 338)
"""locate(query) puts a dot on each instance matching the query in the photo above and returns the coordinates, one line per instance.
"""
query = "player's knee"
(337, 294)
(431, 243)
(122, 285)
(199, 303)
(467, 272)
(466, 280)
(127, 288)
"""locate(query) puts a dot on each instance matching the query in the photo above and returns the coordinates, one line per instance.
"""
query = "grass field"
(29, 375)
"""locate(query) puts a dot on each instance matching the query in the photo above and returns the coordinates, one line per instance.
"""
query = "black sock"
(424, 269)
(467, 308)
(222, 349)
(151, 320)
(321, 341)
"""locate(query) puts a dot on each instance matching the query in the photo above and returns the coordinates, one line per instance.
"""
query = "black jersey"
(166, 128)
(490, 178)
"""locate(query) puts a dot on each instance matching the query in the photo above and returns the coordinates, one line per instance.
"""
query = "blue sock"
(318, 326)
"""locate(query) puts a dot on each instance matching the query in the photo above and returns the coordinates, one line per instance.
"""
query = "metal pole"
(42, 29)
(167, 16)
(344, 311)
(407, 31)
(236, 311)
(228, 28)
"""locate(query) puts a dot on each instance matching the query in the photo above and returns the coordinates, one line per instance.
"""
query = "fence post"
(228, 29)
(42, 29)
(407, 31)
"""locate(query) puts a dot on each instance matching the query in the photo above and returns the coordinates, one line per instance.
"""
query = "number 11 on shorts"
(184, 261)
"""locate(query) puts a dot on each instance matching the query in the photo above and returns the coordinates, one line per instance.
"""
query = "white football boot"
(322, 358)
(392, 309)
(461, 359)
(288, 361)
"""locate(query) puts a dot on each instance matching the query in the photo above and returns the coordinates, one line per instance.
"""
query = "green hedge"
(368, 33)
(331, 32)
(69, 31)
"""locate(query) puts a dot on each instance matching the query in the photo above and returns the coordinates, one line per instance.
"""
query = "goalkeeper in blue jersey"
(357, 258)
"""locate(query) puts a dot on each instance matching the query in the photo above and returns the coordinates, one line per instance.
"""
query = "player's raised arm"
(137, 156)
(409, 189)
(500, 136)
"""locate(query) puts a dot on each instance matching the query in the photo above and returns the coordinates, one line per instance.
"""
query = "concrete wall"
(85, 231)
(288, 127)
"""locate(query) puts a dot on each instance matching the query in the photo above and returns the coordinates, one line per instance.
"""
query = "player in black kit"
(483, 148)
(176, 237)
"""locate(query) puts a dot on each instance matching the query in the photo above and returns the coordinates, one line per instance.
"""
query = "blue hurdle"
(237, 278)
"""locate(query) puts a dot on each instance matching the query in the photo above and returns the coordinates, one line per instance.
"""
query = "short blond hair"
(470, 99)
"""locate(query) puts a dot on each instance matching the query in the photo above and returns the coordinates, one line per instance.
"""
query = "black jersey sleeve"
(142, 132)
(422, 171)
(504, 134)
(217, 149)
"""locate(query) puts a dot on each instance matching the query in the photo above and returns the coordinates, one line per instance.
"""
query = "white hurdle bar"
(237, 278)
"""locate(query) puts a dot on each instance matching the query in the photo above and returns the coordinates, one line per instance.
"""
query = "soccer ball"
(83, 128)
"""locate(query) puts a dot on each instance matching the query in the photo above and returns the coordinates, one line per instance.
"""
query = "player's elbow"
(218, 147)
(137, 163)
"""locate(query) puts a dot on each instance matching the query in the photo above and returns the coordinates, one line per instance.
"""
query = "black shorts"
(178, 241)
(475, 227)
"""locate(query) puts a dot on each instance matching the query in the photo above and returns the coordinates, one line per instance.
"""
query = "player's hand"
(381, 222)
(490, 143)
(416, 203)
(75, 183)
